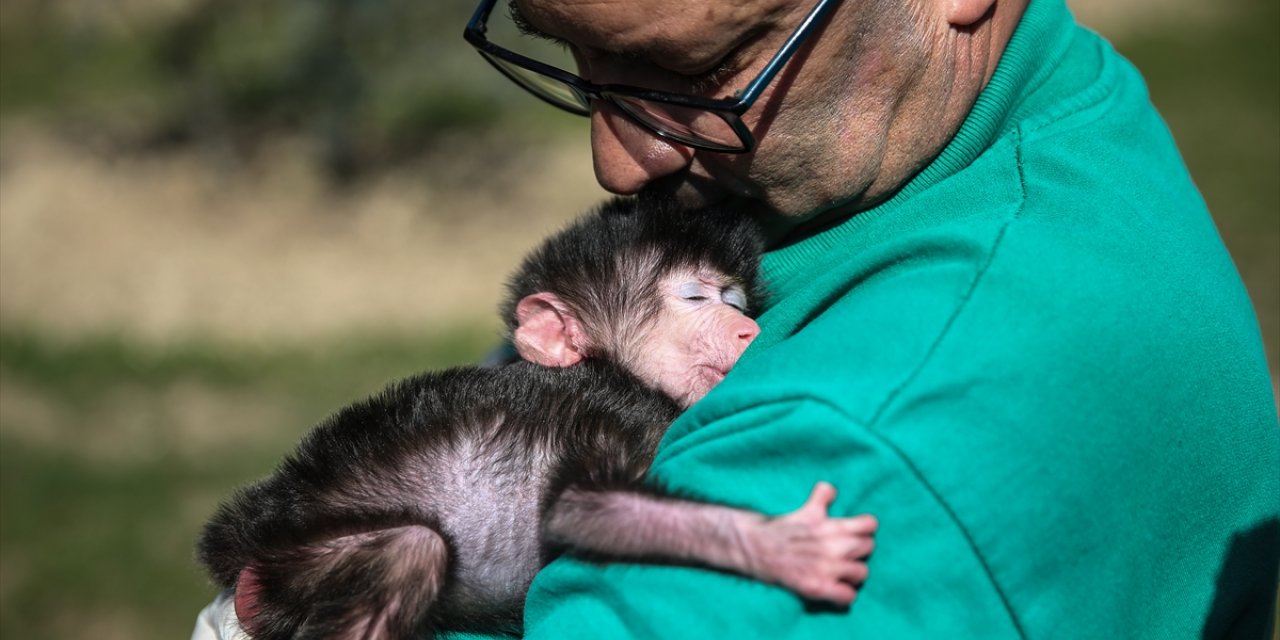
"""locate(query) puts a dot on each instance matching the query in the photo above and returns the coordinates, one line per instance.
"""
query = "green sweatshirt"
(1036, 365)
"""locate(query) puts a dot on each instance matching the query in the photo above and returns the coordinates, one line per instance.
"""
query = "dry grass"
(174, 247)
(185, 422)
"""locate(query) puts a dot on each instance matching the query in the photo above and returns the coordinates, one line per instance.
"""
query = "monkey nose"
(747, 330)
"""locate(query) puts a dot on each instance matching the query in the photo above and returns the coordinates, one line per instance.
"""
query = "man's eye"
(708, 81)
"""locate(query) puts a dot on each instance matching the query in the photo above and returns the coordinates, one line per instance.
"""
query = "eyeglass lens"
(683, 124)
(697, 126)
(546, 87)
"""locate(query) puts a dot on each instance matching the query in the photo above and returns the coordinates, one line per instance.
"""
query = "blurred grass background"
(222, 219)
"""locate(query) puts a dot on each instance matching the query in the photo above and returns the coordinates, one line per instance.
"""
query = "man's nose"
(627, 156)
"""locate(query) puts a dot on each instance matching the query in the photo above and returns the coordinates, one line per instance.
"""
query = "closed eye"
(693, 292)
(735, 297)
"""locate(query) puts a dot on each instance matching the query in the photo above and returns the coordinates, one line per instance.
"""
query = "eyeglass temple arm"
(481, 17)
(815, 17)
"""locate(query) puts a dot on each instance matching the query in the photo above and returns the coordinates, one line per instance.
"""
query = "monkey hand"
(809, 552)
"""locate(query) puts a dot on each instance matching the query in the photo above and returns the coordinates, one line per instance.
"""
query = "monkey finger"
(860, 547)
(820, 498)
(863, 525)
(854, 572)
(834, 591)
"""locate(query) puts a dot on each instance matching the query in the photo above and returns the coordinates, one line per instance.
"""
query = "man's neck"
(930, 113)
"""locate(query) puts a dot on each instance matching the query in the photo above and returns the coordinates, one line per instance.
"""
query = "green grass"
(97, 533)
(369, 84)
(86, 368)
(46, 66)
(95, 544)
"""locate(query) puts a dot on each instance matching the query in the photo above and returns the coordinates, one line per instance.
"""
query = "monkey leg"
(806, 551)
(376, 585)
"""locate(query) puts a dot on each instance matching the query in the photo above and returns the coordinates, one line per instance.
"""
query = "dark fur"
(421, 507)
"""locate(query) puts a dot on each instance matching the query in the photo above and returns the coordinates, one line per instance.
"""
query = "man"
(1001, 320)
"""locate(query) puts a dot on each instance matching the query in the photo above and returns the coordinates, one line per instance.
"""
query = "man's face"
(820, 125)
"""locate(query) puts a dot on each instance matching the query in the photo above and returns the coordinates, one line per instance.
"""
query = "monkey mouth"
(714, 373)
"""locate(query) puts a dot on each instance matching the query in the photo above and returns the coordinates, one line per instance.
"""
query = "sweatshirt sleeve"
(925, 580)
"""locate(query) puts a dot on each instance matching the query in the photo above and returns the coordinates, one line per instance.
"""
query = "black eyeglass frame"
(728, 109)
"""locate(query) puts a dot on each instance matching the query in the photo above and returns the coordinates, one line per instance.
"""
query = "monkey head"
(665, 293)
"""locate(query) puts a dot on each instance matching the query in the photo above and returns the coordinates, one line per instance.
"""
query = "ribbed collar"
(1039, 41)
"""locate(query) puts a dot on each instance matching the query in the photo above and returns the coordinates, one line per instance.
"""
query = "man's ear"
(964, 13)
(547, 332)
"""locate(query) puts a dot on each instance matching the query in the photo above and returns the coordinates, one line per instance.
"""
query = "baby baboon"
(433, 504)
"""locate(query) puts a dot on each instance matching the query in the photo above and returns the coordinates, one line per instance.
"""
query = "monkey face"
(698, 335)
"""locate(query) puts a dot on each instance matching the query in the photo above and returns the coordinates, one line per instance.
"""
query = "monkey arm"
(806, 551)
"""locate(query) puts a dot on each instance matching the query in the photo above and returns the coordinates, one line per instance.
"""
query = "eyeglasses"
(711, 124)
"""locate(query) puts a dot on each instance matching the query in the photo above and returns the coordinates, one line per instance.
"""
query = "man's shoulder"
(1054, 303)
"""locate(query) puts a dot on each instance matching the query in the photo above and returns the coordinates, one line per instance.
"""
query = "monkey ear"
(547, 332)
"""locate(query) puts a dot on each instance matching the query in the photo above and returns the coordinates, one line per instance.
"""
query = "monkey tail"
(376, 585)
